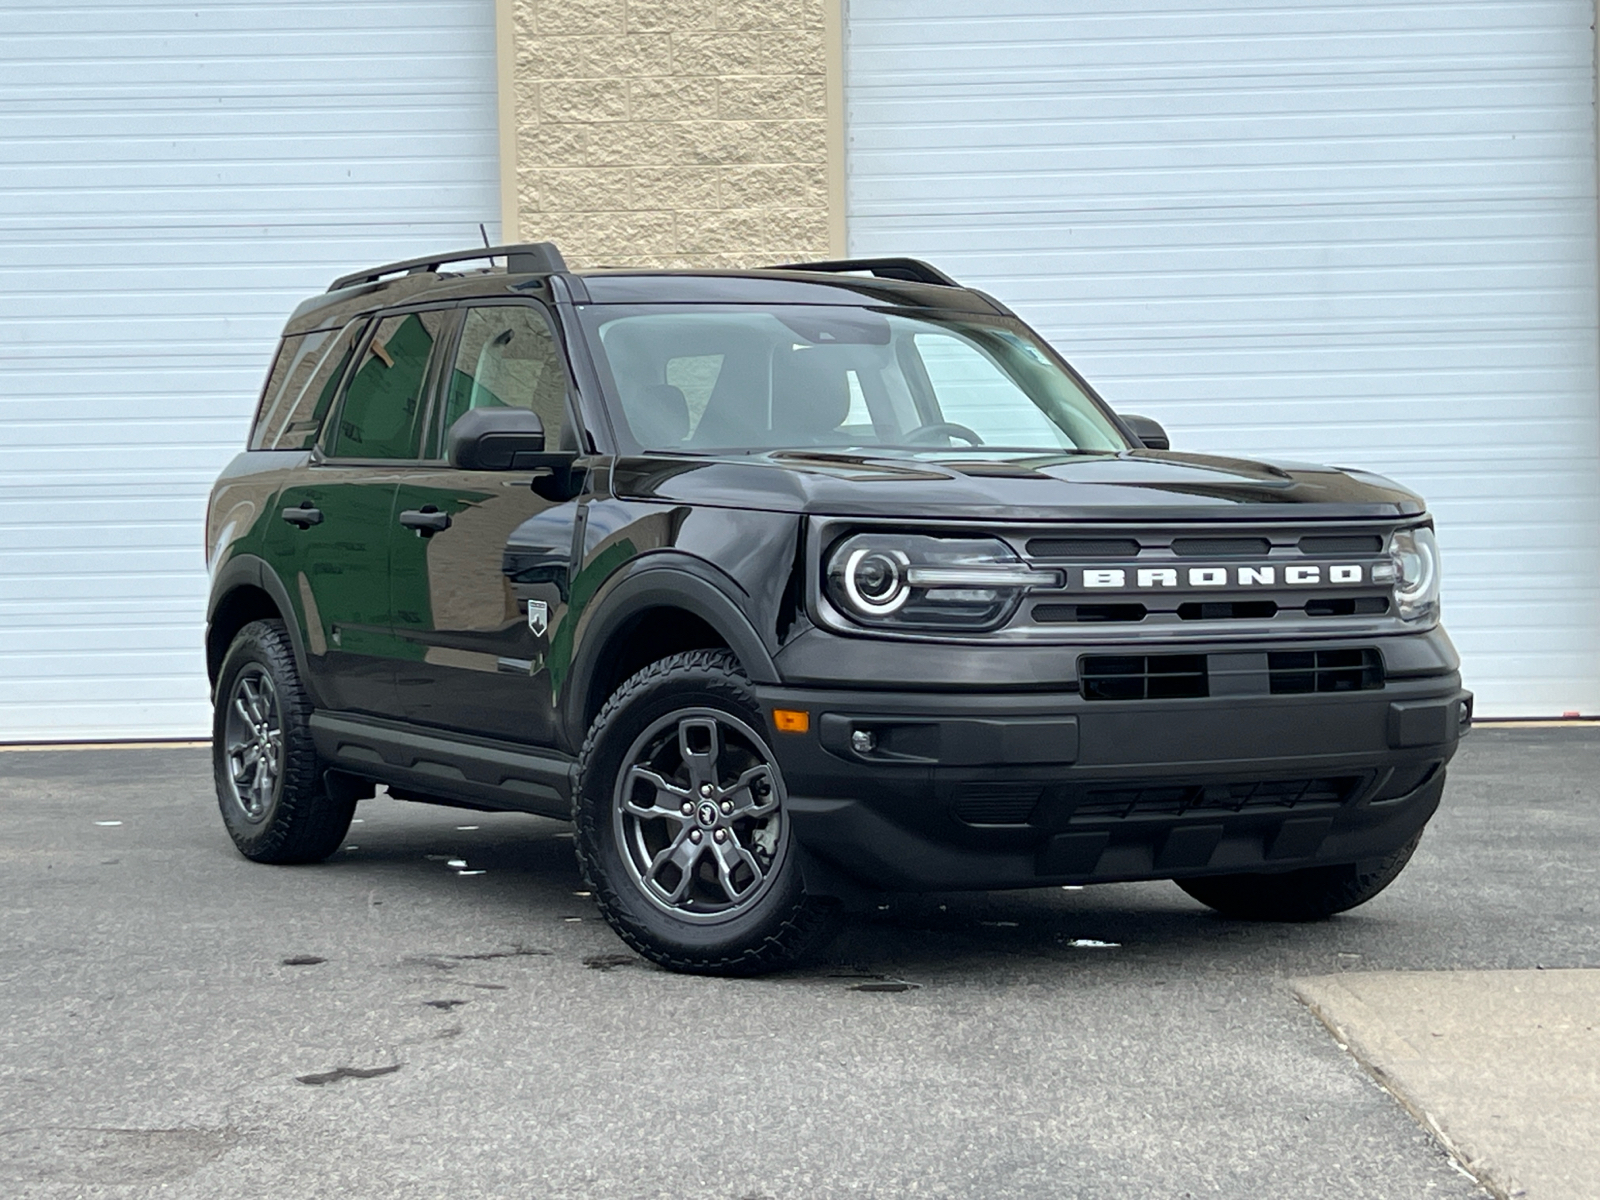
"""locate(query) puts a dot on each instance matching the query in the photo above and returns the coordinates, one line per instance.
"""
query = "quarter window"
(382, 412)
(304, 378)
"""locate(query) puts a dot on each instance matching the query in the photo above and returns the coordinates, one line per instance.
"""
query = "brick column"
(671, 132)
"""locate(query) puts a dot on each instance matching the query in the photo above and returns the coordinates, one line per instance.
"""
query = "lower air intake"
(1301, 672)
(1142, 676)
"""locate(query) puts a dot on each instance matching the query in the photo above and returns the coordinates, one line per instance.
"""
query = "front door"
(479, 646)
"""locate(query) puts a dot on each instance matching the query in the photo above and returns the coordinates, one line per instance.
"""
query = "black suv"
(785, 585)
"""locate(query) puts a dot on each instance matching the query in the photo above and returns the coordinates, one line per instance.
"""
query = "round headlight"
(875, 580)
(1416, 562)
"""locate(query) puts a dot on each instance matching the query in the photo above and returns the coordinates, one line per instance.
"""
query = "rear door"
(479, 640)
(332, 540)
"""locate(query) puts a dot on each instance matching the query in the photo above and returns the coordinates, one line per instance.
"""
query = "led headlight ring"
(875, 580)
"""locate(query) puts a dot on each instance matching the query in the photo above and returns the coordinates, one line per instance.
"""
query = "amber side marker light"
(791, 720)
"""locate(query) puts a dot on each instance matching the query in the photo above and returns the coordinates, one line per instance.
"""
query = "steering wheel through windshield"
(925, 433)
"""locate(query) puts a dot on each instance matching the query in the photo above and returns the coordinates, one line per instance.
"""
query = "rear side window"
(300, 388)
(382, 412)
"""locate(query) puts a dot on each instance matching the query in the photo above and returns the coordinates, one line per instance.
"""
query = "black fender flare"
(249, 570)
(660, 581)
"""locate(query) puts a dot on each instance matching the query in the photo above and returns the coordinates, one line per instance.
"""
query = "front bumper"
(963, 790)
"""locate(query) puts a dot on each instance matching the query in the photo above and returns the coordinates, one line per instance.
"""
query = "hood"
(1133, 485)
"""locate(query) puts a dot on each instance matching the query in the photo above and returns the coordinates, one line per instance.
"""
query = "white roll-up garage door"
(173, 180)
(1351, 233)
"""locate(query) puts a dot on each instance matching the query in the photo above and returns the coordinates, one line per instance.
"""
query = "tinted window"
(382, 412)
(289, 349)
(508, 358)
(302, 385)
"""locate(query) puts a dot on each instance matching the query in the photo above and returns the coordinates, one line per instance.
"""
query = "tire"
(681, 828)
(274, 797)
(1307, 895)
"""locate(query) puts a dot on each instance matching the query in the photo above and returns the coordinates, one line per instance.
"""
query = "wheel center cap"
(707, 814)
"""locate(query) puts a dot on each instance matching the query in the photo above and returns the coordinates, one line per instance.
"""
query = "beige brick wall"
(671, 132)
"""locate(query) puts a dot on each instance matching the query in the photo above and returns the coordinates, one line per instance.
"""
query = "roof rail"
(913, 270)
(532, 258)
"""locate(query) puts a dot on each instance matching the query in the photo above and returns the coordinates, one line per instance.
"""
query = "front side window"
(382, 412)
(508, 358)
(731, 378)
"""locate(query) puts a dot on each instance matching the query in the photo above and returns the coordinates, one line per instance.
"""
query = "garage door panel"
(1303, 230)
(177, 181)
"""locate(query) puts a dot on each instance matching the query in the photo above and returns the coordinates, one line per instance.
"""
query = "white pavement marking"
(1503, 1066)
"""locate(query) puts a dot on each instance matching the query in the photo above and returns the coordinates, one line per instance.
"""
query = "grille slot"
(997, 803)
(1345, 543)
(1358, 606)
(1301, 672)
(1221, 547)
(1053, 614)
(1227, 610)
(1091, 548)
(1143, 676)
(1120, 804)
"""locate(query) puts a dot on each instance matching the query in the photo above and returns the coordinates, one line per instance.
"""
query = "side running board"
(483, 772)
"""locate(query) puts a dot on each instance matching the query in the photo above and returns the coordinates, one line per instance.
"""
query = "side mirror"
(1147, 431)
(496, 439)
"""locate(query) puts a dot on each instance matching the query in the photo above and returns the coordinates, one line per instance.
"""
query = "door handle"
(305, 516)
(426, 520)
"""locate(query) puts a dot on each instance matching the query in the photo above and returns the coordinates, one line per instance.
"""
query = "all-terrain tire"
(275, 798)
(1306, 895)
(780, 924)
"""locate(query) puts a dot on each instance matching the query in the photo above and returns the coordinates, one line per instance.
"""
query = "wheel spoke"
(701, 760)
(665, 791)
(684, 854)
(746, 803)
(730, 855)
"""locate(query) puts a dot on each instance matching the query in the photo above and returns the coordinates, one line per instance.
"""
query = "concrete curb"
(1503, 1067)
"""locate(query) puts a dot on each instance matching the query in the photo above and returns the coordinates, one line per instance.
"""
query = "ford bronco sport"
(784, 585)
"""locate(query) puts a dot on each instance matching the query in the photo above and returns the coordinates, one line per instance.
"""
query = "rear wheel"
(1307, 895)
(683, 831)
(274, 798)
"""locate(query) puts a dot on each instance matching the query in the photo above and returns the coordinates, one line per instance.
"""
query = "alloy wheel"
(253, 739)
(699, 815)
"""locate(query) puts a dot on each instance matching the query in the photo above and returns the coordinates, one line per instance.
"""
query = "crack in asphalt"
(449, 962)
(318, 1079)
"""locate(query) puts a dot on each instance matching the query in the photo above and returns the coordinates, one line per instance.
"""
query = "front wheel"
(683, 829)
(1306, 895)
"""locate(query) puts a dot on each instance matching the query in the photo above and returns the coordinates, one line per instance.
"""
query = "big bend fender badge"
(538, 617)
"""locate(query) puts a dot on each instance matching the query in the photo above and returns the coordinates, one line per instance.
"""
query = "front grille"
(996, 803)
(1181, 579)
(1142, 676)
(1120, 804)
(1298, 672)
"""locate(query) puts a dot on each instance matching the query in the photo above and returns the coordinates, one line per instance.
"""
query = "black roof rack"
(913, 270)
(532, 258)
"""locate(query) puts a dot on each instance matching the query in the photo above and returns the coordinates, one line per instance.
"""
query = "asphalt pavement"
(440, 1012)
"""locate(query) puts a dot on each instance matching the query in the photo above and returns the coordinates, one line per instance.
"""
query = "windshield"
(715, 378)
